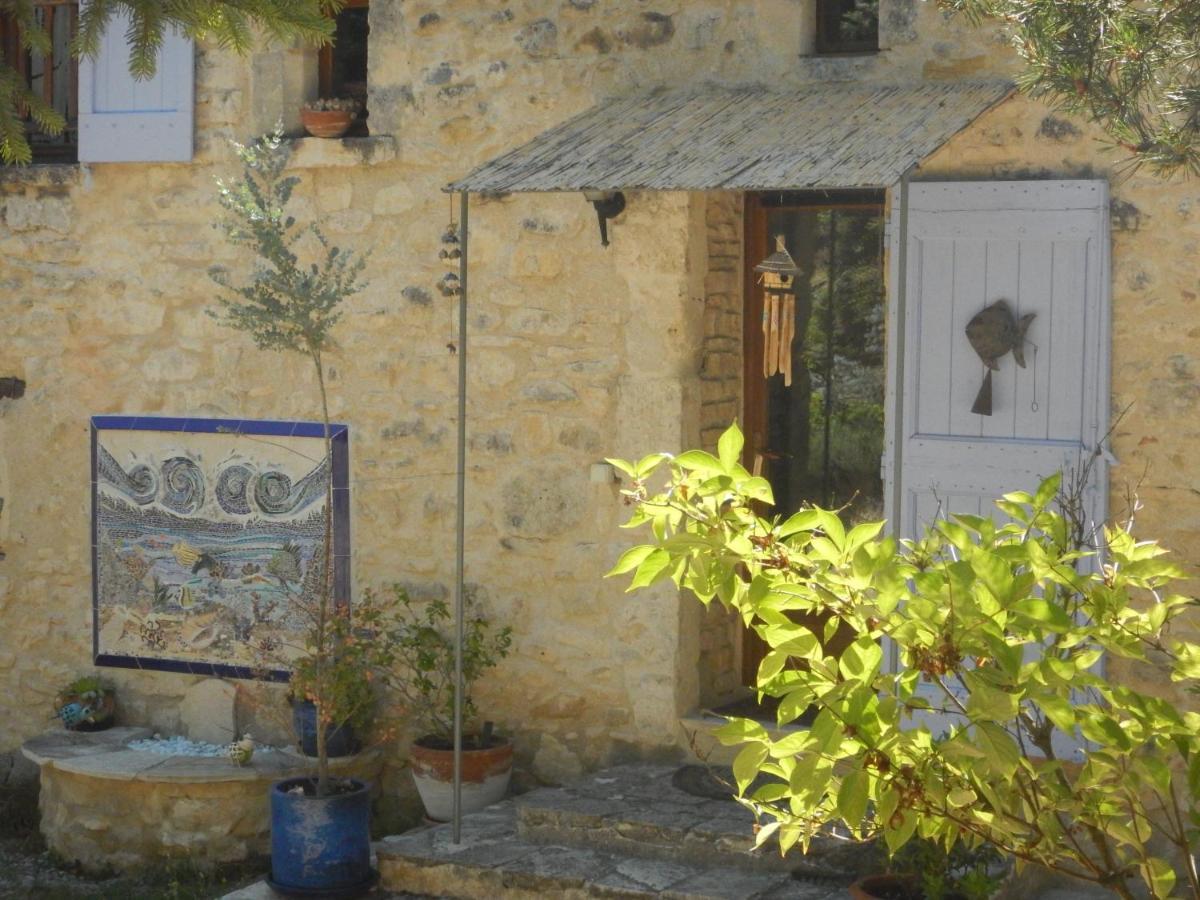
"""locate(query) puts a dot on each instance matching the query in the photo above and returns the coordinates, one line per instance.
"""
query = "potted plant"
(320, 835)
(86, 704)
(994, 723)
(347, 691)
(423, 643)
(329, 118)
(924, 870)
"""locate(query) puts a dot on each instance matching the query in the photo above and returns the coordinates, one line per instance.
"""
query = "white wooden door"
(1043, 247)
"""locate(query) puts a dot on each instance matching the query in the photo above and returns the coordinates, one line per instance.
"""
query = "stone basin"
(108, 807)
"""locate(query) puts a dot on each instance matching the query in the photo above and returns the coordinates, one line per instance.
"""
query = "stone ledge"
(105, 806)
(320, 153)
(63, 744)
(105, 755)
(41, 175)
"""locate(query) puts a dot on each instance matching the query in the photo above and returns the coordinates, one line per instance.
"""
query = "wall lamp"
(609, 205)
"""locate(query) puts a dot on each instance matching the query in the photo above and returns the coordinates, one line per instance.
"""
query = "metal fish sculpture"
(993, 332)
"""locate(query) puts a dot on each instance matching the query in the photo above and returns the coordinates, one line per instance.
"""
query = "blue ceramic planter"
(340, 741)
(320, 846)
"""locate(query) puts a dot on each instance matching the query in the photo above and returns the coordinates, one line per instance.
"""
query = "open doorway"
(818, 439)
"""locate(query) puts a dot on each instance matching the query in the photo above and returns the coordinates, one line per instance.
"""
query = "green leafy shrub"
(421, 639)
(994, 722)
(970, 873)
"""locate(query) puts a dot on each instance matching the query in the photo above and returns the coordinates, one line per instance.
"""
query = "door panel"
(1042, 246)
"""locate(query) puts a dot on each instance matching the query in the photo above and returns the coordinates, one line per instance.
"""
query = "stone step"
(703, 746)
(494, 861)
(680, 814)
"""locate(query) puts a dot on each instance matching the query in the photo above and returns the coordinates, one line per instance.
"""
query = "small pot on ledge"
(86, 704)
(329, 118)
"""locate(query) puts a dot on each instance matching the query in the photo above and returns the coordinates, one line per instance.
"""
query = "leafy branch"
(1000, 623)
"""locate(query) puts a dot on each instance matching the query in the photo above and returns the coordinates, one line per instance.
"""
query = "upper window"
(343, 64)
(51, 76)
(847, 26)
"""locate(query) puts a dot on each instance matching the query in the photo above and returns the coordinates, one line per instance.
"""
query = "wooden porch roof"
(709, 137)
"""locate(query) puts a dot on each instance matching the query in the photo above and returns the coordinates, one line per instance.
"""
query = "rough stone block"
(207, 711)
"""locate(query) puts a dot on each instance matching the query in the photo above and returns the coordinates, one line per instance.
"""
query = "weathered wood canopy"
(708, 137)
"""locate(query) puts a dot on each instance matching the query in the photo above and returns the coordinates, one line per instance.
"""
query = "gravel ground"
(27, 870)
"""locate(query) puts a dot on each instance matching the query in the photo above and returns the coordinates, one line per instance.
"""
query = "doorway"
(818, 440)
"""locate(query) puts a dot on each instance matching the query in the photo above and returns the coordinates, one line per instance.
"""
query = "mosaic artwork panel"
(207, 540)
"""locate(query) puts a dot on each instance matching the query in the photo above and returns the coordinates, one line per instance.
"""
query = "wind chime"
(778, 278)
(448, 285)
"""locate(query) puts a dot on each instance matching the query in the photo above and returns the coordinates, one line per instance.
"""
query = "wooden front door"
(1042, 247)
(818, 440)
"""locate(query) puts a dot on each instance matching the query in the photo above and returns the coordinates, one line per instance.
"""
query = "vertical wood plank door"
(1043, 247)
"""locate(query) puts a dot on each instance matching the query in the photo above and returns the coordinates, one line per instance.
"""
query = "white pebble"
(181, 746)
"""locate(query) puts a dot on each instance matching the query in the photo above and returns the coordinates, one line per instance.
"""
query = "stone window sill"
(320, 153)
(41, 175)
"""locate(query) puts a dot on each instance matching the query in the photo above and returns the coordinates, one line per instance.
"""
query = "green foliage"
(997, 724)
(228, 23)
(423, 661)
(89, 687)
(291, 300)
(338, 678)
(1130, 67)
(971, 873)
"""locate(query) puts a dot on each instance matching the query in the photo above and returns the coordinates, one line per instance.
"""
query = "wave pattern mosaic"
(206, 536)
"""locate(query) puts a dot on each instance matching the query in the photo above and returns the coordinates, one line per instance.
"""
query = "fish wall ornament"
(993, 332)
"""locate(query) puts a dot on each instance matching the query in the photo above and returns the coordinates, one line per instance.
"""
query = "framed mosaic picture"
(204, 537)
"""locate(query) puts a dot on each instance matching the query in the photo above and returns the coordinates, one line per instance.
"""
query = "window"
(54, 76)
(847, 26)
(818, 439)
(821, 437)
(343, 64)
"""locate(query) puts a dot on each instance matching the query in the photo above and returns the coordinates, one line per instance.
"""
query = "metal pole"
(460, 524)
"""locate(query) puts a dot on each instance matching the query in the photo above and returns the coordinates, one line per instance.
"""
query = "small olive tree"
(996, 725)
(290, 303)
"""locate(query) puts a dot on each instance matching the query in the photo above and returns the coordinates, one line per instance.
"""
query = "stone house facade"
(577, 351)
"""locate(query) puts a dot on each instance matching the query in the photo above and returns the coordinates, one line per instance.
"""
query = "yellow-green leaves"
(729, 447)
(852, 798)
(998, 630)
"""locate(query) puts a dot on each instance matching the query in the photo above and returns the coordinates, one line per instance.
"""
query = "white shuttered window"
(122, 119)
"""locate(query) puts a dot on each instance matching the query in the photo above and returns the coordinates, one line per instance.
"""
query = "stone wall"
(577, 352)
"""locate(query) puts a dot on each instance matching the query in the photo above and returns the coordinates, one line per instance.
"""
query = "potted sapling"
(320, 836)
(424, 679)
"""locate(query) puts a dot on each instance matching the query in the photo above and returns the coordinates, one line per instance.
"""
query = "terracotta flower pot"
(485, 776)
(886, 887)
(326, 123)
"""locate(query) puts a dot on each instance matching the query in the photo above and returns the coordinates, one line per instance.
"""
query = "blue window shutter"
(122, 119)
